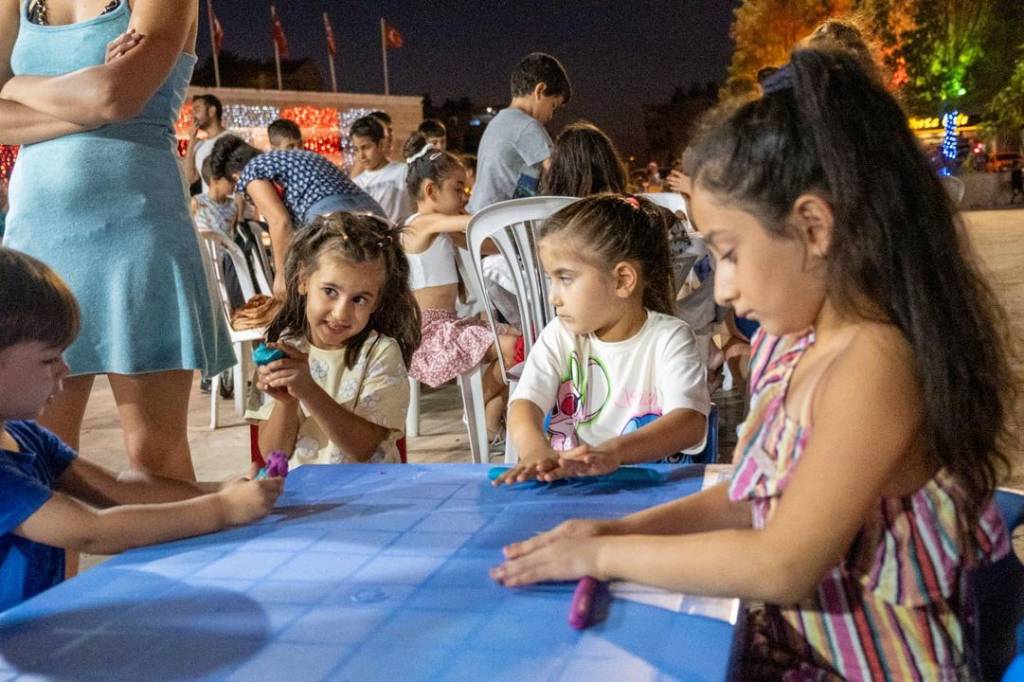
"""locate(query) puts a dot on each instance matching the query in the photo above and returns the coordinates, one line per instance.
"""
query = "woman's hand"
(121, 45)
(569, 558)
(288, 379)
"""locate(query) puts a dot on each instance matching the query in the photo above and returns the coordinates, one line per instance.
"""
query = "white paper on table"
(710, 607)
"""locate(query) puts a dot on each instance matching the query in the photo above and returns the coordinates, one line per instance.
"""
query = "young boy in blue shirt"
(50, 499)
(515, 144)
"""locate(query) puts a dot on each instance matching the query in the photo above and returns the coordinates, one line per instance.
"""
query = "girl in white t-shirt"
(615, 379)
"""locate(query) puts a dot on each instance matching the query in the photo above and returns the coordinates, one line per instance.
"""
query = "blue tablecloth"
(362, 573)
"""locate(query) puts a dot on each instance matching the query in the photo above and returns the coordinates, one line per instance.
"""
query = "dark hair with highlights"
(898, 253)
(610, 229)
(432, 164)
(584, 162)
(356, 238)
(35, 303)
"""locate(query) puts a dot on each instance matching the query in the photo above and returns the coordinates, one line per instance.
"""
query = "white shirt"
(387, 186)
(599, 390)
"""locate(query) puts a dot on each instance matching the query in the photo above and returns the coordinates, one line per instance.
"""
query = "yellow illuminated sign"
(925, 122)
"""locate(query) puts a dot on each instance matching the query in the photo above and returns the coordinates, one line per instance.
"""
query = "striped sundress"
(898, 606)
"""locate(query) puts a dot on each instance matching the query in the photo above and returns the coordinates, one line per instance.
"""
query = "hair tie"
(782, 79)
(420, 154)
(632, 201)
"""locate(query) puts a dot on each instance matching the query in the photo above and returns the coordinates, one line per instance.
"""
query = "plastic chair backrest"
(251, 232)
(999, 589)
(513, 226)
(217, 244)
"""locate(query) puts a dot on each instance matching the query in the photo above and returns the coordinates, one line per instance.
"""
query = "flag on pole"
(279, 38)
(392, 38)
(218, 33)
(331, 47)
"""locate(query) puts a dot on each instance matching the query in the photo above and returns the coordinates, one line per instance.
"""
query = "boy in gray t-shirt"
(515, 143)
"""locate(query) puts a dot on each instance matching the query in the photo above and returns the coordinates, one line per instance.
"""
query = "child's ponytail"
(897, 252)
(426, 163)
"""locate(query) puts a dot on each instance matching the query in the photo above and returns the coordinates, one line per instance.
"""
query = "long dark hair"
(426, 163)
(583, 162)
(611, 228)
(898, 252)
(359, 239)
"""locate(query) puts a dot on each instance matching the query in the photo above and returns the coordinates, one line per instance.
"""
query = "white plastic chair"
(513, 226)
(215, 244)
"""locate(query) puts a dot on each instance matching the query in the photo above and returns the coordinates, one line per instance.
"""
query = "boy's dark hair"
(536, 68)
(206, 170)
(426, 163)
(432, 127)
(212, 101)
(358, 238)
(368, 126)
(584, 161)
(611, 228)
(285, 129)
(898, 251)
(230, 155)
(35, 303)
(382, 116)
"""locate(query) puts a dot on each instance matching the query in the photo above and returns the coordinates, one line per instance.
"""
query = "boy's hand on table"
(247, 501)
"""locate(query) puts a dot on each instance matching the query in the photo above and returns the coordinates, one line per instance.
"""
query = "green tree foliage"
(1006, 109)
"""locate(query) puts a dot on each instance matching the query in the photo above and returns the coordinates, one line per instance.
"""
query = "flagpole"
(213, 44)
(384, 53)
(330, 57)
(277, 51)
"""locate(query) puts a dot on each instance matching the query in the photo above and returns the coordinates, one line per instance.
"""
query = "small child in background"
(515, 144)
(348, 327)
(382, 179)
(215, 209)
(284, 134)
(620, 377)
(54, 500)
(882, 399)
(435, 132)
(451, 346)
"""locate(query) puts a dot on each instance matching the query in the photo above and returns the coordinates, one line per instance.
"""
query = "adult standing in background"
(91, 90)
(207, 116)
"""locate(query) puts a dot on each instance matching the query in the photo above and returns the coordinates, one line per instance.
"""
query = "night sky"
(619, 55)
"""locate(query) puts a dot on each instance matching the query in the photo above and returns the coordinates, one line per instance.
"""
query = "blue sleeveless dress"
(107, 210)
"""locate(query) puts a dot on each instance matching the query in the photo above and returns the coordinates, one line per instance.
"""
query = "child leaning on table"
(53, 500)
(348, 327)
(880, 399)
(620, 379)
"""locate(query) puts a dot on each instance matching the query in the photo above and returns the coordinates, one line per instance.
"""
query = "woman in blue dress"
(91, 89)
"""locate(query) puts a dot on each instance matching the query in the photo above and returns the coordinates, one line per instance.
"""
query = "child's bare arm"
(101, 488)
(280, 431)
(66, 522)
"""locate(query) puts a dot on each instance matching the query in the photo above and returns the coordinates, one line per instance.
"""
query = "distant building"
(669, 126)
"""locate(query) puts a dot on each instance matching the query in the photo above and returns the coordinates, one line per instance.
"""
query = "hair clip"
(781, 79)
(632, 201)
(421, 153)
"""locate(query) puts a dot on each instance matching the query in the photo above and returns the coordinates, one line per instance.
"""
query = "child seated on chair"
(620, 379)
(348, 328)
(54, 500)
(451, 346)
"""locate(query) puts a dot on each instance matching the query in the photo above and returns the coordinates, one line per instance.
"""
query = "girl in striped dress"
(881, 387)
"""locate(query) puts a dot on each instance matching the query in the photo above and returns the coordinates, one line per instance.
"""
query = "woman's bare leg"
(154, 416)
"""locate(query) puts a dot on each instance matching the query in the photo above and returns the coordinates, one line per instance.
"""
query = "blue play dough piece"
(620, 475)
(263, 355)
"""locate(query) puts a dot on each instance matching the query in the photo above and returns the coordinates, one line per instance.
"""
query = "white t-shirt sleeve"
(681, 371)
(542, 374)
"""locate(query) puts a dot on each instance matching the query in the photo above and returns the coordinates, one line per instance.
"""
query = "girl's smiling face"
(340, 297)
(778, 280)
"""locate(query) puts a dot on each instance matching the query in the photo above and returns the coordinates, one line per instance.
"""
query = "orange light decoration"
(8, 154)
(312, 117)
